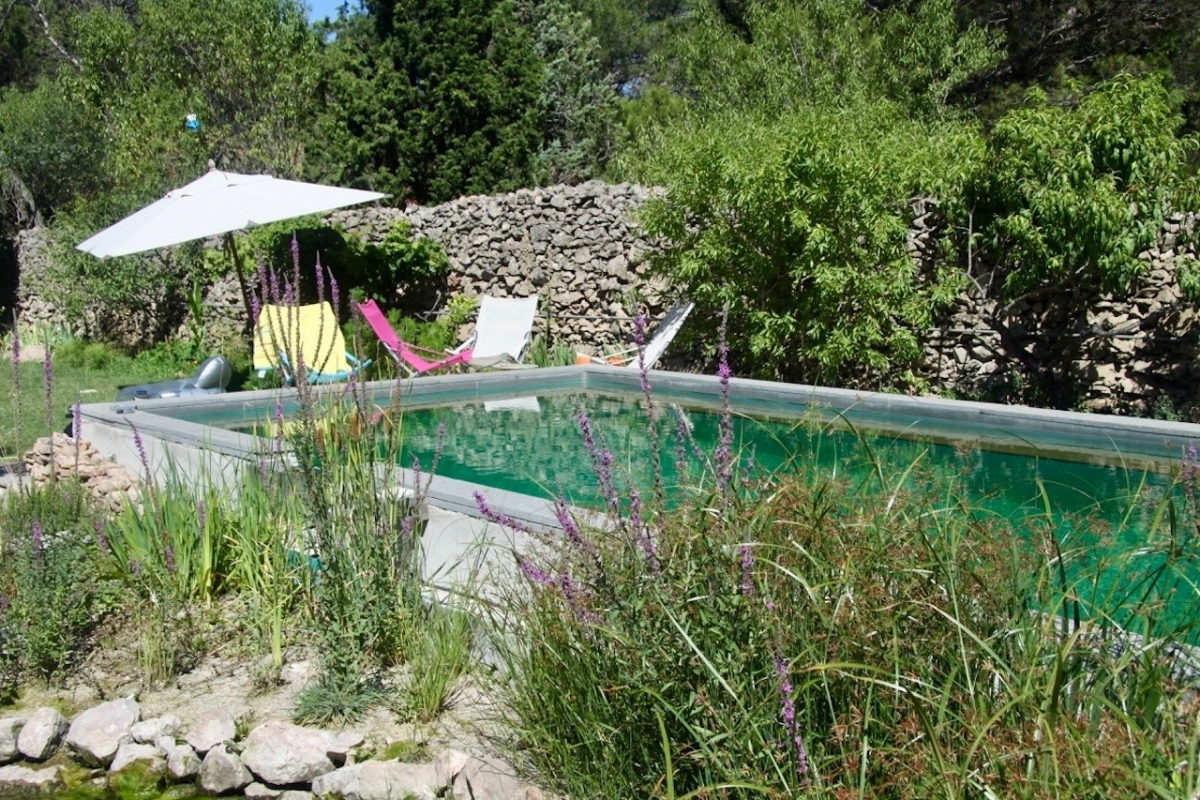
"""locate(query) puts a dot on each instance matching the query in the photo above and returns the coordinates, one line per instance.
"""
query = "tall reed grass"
(811, 634)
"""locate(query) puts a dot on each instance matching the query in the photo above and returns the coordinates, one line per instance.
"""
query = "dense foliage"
(792, 137)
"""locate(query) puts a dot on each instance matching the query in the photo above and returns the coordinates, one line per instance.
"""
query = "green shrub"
(52, 594)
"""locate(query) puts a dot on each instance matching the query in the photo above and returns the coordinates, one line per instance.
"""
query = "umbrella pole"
(241, 276)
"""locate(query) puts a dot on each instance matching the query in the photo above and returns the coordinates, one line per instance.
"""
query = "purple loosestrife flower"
(262, 470)
(642, 534)
(535, 575)
(201, 516)
(724, 452)
(334, 299)
(48, 382)
(747, 570)
(101, 538)
(141, 449)
(497, 518)
(39, 540)
(601, 463)
(574, 599)
(788, 712)
(570, 528)
(320, 280)
(276, 295)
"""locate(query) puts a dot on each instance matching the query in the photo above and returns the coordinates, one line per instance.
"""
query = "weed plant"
(365, 595)
(51, 597)
(805, 634)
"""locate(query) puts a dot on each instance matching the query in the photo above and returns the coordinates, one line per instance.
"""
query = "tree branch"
(36, 7)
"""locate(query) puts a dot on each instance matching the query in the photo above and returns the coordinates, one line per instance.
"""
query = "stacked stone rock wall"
(577, 246)
(1082, 347)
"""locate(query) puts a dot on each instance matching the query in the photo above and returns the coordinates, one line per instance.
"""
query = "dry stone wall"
(580, 249)
(577, 246)
(1085, 348)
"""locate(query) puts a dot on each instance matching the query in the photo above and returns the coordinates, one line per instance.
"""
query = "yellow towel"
(309, 332)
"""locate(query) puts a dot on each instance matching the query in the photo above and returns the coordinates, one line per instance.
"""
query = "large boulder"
(472, 778)
(222, 771)
(95, 735)
(10, 731)
(149, 731)
(16, 780)
(213, 727)
(42, 734)
(131, 753)
(280, 753)
(182, 761)
(379, 780)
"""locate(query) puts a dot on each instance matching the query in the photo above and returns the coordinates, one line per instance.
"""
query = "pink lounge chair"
(405, 355)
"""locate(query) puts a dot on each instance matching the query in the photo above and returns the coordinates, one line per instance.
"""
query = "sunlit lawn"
(23, 419)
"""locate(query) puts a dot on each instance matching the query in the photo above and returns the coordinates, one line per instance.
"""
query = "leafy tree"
(1068, 196)
(798, 225)
(144, 74)
(578, 101)
(774, 54)
(438, 98)
(50, 152)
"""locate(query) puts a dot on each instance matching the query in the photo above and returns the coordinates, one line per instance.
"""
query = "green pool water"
(1101, 503)
(534, 446)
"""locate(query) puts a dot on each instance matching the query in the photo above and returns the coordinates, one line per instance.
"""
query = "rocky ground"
(225, 726)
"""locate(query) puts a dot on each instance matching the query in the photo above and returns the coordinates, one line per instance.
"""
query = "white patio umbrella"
(219, 203)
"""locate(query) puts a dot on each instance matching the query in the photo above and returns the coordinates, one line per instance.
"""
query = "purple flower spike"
(76, 423)
(535, 575)
(488, 513)
(788, 712)
(101, 538)
(276, 295)
(747, 570)
(141, 449)
(333, 294)
(39, 541)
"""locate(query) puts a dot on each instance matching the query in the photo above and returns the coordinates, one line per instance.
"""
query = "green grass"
(83, 372)
(84, 380)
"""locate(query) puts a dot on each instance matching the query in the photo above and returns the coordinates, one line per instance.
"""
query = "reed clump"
(812, 634)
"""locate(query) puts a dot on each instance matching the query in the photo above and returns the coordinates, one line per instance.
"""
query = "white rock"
(95, 735)
(131, 753)
(15, 779)
(215, 726)
(341, 745)
(256, 791)
(42, 734)
(483, 779)
(280, 753)
(182, 761)
(379, 780)
(222, 771)
(10, 730)
(148, 731)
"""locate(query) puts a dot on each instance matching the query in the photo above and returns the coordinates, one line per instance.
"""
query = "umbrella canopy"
(218, 203)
